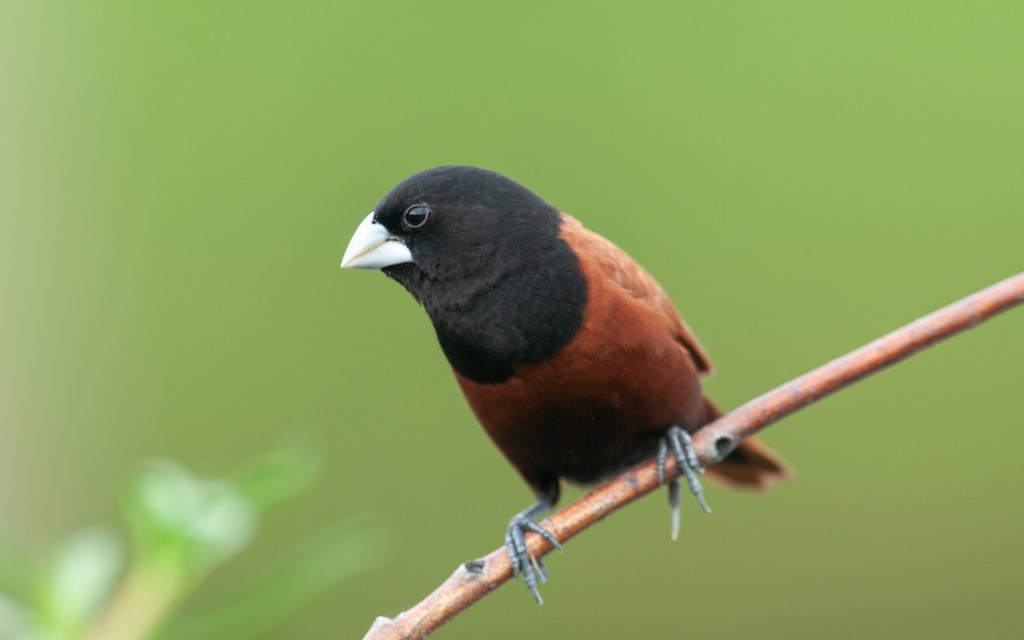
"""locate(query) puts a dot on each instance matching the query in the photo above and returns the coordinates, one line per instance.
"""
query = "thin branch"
(475, 579)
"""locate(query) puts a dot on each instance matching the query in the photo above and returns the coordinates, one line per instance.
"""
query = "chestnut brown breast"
(602, 401)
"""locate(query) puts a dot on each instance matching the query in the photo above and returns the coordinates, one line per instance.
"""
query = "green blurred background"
(178, 182)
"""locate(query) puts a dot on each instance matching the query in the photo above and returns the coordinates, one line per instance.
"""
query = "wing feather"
(617, 267)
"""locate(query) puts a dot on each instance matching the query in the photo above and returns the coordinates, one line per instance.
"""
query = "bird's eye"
(416, 215)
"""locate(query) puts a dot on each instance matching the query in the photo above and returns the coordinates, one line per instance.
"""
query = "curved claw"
(675, 498)
(523, 562)
(530, 525)
(662, 455)
(681, 444)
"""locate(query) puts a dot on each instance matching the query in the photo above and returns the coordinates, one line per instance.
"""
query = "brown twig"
(475, 579)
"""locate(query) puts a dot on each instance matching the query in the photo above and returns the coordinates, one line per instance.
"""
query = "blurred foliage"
(178, 182)
(181, 528)
(79, 581)
(325, 559)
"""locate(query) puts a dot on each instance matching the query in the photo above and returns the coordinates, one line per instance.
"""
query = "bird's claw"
(523, 562)
(681, 444)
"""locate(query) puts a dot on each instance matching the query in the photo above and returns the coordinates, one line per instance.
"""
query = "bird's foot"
(523, 561)
(681, 444)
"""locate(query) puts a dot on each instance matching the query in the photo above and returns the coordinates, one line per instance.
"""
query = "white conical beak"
(373, 247)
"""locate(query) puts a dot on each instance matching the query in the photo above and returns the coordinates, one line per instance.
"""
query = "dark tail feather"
(752, 465)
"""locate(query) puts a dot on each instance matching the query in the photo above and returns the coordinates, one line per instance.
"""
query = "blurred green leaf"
(186, 524)
(18, 572)
(320, 563)
(14, 620)
(81, 578)
(278, 476)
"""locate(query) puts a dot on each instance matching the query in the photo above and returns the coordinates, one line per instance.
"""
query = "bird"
(571, 356)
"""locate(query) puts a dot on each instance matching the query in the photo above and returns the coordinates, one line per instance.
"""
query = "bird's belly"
(583, 419)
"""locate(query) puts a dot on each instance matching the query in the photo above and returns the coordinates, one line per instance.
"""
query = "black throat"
(521, 307)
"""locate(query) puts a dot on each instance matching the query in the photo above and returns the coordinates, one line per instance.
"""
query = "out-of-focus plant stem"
(144, 598)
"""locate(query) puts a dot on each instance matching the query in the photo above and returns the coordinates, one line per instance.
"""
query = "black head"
(458, 220)
(483, 255)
